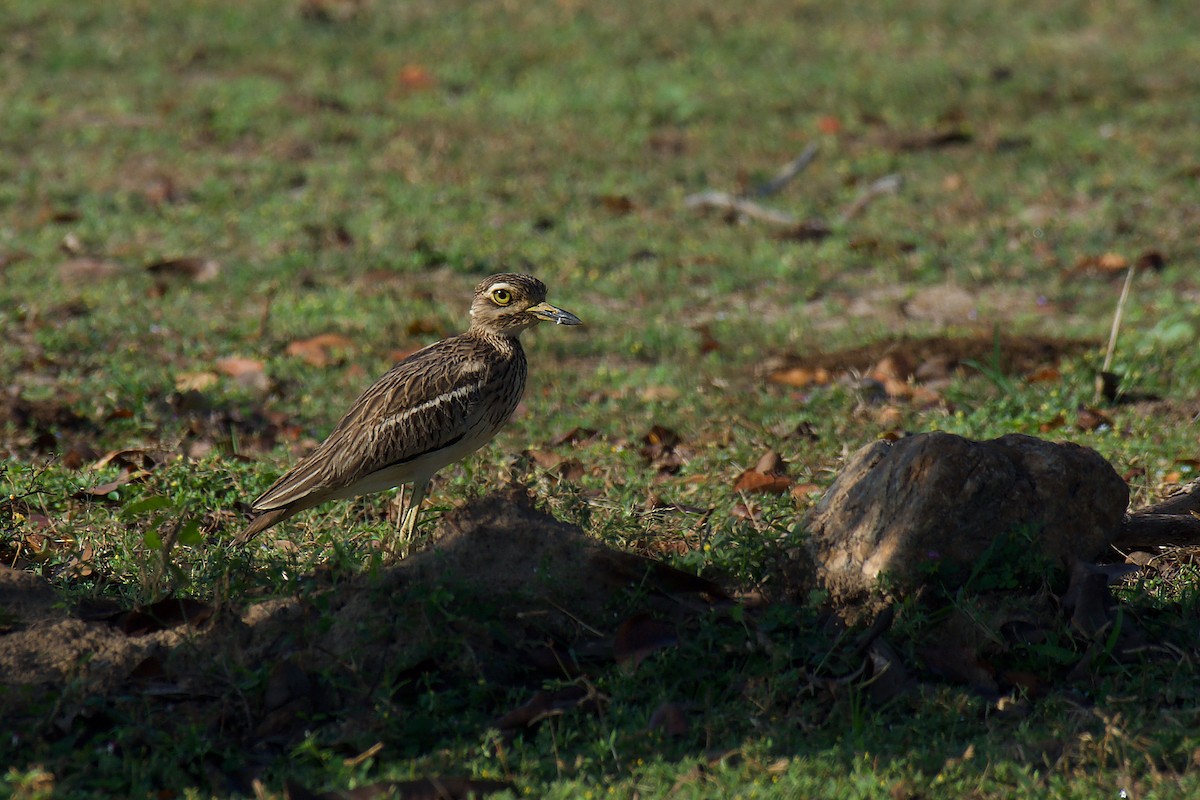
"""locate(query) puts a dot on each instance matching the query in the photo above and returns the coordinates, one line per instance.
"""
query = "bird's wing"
(425, 403)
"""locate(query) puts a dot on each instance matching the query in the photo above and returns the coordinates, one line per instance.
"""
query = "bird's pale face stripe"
(441, 399)
(501, 285)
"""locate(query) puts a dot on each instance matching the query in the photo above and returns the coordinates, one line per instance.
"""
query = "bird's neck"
(508, 345)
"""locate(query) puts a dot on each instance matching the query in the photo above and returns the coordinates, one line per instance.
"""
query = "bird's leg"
(412, 509)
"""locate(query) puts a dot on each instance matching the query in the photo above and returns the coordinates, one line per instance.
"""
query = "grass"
(359, 176)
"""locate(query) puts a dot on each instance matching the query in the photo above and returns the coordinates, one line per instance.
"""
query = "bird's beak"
(549, 313)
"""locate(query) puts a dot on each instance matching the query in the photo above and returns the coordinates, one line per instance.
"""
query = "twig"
(1112, 336)
(264, 319)
(1143, 531)
(739, 205)
(888, 184)
(788, 173)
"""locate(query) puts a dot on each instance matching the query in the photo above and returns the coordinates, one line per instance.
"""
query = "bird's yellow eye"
(501, 297)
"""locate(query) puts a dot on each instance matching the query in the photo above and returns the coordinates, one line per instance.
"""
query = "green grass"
(339, 198)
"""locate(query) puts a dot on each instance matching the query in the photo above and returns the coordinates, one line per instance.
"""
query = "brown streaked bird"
(435, 407)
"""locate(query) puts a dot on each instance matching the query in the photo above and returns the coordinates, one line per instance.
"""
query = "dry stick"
(1112, 336)
(1186, 501)
(888, 184)
(1146, 531)
(788, 173)
(264, 320)
(740, 204)
(728, 202)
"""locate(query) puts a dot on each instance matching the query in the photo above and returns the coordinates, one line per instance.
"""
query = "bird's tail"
(260, 523)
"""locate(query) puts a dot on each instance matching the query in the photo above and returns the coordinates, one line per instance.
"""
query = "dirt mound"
(502, 594)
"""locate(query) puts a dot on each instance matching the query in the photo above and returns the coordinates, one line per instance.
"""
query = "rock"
(936, 500)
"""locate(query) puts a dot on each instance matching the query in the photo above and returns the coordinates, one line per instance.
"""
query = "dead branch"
(888, 184)
(1147, 531)
(1185, 501)
(788, 173)
(739, 205)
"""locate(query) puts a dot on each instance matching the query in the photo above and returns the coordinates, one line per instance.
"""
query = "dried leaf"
(1091, 419)
(195, 269)
(616, 203)
(754, 481)
(1151, 260)
(889, 679)
(661, 450)
(546, 704)
(564, 467)
(800, 377)
(829, 125)
(574, 436)
(641, 636)
(247, 372)
(321, 350)
(1053, 424)
(169, 613)
(629, 568)
(930, 140)
(101, 490)
(415, 78)
(808, 230)
(1044, 374)
(669, 718)
(806, 491)
(1108, 264)
(960, 664)
(196, 381)
(134, 458)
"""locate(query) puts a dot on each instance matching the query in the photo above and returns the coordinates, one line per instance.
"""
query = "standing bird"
(435, 407)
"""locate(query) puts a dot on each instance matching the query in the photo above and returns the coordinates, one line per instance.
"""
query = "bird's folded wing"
(425, 403)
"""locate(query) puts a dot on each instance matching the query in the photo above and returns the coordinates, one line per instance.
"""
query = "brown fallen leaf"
(670, 718)
(193, 268)
(169, 613)
(641, 636)
(616, 203)
(812, 229)
(806, 491)
(196, 381)
(931, 140)
(247, 372)
(889, 679)
(1151, 260)
(661, 449)
(320, 350)
(959, 663)
(560, 466)
(135, 458)
(829, 125)
(547, 704)
(1091, 419)
(102, 490)
(415, 78)
(1044, 374)
(801, 377)
(1108, 265)
(768, 476)
(623, 568)
(1053, 424)
(574, 436)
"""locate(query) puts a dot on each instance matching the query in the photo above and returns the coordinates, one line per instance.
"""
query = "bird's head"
(509, 302)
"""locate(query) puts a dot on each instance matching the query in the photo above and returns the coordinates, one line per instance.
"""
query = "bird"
(430, 410)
